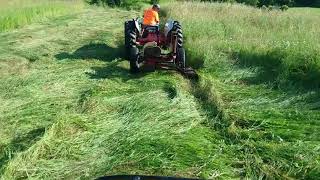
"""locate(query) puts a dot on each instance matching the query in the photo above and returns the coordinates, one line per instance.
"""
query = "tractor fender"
(168, 27)
(137, 24)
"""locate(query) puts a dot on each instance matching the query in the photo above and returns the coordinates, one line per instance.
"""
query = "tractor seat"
(151, 29)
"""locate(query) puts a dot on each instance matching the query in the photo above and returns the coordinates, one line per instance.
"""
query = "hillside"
(71, 109)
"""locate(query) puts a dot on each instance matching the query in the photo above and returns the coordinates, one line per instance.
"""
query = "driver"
(151, 16)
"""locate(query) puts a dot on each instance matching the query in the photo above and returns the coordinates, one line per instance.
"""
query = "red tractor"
(150, 47)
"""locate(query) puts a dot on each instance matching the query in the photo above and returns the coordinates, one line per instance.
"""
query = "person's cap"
(156, 6)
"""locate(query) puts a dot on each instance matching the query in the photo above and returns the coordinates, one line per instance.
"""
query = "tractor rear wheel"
(126, 39)
(134, 57)
(178, 29)
(126, 30)
(130, 35)
(181, 58)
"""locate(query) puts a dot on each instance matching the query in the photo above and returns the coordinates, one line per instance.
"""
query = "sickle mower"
(150, 47)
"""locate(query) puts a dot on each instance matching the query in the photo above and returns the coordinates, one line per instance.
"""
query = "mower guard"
(188, 73)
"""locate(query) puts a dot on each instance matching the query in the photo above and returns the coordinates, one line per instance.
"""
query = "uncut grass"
(257, 61)
(285, 39)
(70, 109)
(15, 14)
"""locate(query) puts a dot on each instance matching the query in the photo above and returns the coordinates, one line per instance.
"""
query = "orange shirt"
(150, 17)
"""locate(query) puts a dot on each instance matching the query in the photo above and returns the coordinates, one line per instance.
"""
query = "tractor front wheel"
(134, 57)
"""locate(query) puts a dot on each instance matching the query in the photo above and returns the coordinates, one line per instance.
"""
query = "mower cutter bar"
(189, 73)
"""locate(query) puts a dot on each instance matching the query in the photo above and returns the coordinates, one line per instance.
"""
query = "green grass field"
(70, 109)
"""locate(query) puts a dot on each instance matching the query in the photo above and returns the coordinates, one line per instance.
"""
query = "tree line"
(259, 3)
